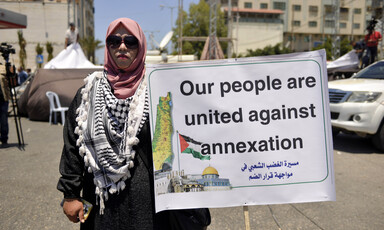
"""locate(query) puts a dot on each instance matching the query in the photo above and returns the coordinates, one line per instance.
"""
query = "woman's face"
(122, 55)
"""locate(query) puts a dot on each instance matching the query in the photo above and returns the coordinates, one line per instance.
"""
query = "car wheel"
(378, 138)
(335, 132)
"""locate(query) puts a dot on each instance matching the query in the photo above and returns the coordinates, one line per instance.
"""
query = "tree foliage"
(49, 48)
(90, 45)
(345, 47)
(268, 50)
(22, 52)
(196, 24)
(39, 50)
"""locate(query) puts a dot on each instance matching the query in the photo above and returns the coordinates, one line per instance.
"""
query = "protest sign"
(243, 131)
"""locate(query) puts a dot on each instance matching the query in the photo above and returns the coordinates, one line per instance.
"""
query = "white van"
(357, 104)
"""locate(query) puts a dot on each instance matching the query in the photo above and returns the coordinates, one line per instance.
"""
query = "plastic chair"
(55, 106)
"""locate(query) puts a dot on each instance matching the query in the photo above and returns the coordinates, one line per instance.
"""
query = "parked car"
(357, 104)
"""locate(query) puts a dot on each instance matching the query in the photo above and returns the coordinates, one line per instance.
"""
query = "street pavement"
(29, 199)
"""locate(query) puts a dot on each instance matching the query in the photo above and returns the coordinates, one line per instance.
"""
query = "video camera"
(5, 50)
(372, 25)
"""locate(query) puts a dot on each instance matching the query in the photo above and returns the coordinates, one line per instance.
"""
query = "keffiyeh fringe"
(111, 181)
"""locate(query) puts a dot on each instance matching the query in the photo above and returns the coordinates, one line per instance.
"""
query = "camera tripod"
(11, 77)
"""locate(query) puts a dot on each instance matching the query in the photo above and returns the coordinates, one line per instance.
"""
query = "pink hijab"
(125, 83)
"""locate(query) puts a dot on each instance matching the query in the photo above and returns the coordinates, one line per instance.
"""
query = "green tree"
(345, 47)
(196, 24)
(39, 50)
(49, 48)
(268, 50)
(327, 45)
(90, 45)
(22, 52)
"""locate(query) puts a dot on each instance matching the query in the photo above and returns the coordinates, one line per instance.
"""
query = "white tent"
(347, 62)
(70, 58)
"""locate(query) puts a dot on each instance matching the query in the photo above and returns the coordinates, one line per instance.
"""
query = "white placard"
(243, 131)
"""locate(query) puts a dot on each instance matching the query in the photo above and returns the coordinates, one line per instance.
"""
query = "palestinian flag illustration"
(188, 145)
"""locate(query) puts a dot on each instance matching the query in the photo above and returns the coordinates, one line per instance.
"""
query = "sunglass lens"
(131, 42)
(114, 41)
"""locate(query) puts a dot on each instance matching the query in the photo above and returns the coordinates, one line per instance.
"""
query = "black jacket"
(132, 208)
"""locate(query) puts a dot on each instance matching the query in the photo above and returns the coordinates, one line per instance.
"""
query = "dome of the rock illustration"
(210, 170)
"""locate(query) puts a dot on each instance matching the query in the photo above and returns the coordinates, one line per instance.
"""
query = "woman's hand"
(73, 208)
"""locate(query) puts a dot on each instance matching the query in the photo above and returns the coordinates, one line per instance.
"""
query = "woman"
(107, 154)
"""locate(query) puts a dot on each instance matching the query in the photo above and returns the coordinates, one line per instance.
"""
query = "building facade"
(304, 23)
(178, 182)
(47, 21)
(212, 181)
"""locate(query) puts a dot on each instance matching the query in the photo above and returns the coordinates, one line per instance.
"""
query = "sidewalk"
(28, 195)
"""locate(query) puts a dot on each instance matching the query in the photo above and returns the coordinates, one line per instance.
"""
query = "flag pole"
(246, 218)
(178, 148)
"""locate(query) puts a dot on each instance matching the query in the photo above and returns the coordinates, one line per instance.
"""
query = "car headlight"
(363, 96)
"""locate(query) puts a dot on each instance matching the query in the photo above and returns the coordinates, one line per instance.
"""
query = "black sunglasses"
(130, 42)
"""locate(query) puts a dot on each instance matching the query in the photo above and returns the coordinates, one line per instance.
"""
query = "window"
(296, 23)
(297, 7)
(356, 25)
(263, 5)
(329, 23)
(290, 38)
(279, 6)
(313, 9)
(328, 9)
(248, 5)
(312, 24)
(344, 14)
(344, 10)
(357, 11)
(343, 25)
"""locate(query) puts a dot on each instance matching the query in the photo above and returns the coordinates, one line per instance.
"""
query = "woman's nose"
(123, 46)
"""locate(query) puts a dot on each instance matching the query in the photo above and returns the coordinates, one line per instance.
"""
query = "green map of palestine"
(162, 138)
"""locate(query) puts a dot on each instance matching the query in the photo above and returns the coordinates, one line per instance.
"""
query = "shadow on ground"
(353, 144)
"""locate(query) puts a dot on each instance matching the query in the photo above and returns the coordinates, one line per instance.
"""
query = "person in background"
(372, 40)
(5, 96)
(22, 76)
(359, 47)
(71, 35)
(29, 72)
(107, 154)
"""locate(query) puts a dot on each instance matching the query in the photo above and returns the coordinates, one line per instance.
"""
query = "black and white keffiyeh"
(107, 129)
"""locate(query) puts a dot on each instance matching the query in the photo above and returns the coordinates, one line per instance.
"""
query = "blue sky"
(148, 13)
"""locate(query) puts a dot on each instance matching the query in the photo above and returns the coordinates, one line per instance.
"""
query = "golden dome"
(210, 170)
